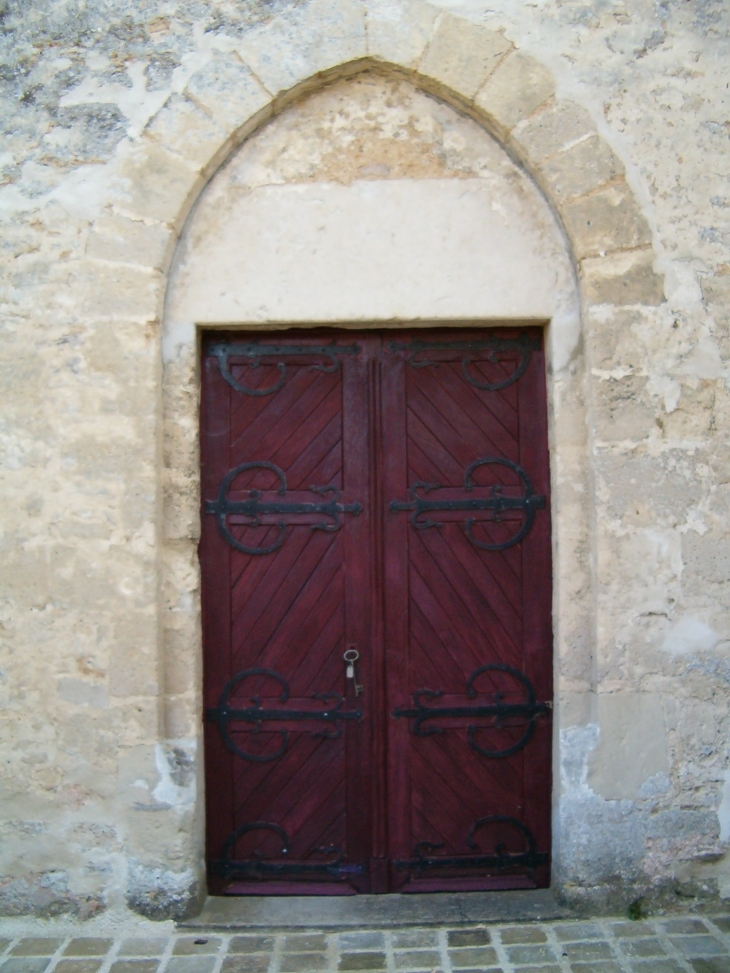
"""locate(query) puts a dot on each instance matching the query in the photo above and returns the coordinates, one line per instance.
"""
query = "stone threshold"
(375, 911)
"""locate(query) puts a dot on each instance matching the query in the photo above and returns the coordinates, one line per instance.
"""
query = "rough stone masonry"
(592, 137)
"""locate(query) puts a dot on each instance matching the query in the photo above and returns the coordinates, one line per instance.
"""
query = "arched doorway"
(367, 206)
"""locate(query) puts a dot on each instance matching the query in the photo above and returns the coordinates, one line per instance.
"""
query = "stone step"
(375, 911)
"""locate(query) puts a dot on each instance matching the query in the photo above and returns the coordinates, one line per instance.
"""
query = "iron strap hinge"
(499, 859)
(529, 710)
(497, 503)
(259, 868)
(490, 348)
(223, 714)
(255, 351)
(255, 508)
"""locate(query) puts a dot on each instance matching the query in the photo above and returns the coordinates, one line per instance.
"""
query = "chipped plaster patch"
(690, 635)
(723, 811)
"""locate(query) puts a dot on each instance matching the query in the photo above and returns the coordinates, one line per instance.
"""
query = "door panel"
(278, 610)
(467, 626)
(435, 568)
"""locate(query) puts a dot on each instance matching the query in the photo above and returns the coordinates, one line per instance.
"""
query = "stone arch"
(477, 71)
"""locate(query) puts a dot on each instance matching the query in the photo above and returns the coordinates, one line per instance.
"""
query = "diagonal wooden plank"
(299, 556)
(495, 617)
(326, 445)
(456, 434)
(249, 603)
(287, 450)
(295, 608)
(465, 646)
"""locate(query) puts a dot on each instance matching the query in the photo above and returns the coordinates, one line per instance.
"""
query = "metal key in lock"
(351, 656)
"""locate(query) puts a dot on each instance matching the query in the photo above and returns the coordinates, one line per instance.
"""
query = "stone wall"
(116, 116)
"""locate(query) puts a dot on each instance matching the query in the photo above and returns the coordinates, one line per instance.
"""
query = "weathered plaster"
(618, 111)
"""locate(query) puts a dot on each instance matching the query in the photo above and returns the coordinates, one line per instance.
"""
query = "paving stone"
(79, 965)
(361, 961)
(143, 946)
(469, 937)
(660, 966)
(305, 962)
(522, 934)
(718, 965)
(417, 959)
(579, 952)
(4, 943)
(36, 947)
(595, 968)
(247, 963)
(251, 944)
(573, 932)
(414, 938)
(308, 942)
(190, 964)
(362, 940)
(524, 955)
(88, 947)
(134, 966)
(630, 930)
(644, 947)
(684, 927)
(532, 969)
(478, 969)
(196, 945)
(698, 946)
(722, 922)
(477, 956)
(25, 964)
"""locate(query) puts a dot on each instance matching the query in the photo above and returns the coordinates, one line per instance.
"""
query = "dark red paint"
(424, 608)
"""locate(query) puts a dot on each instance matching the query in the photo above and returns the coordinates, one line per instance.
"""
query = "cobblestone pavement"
(668, 945)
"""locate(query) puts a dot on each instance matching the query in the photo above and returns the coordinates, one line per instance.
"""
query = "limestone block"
(716, 290)
(462, 55)
(304, 41)
(622, 278)
(118, 291)
(133, 663)
(182, 717)
(399, 30)
(581, 168)
(553, 130)
(156, 183)
(180, 670)
(185, 128)
(182, 506)
(620, 410)
(122, 240)
(517, 87)
(707, 556)
(608, 219)
(134, 721)
(632, 744)
(228, 91)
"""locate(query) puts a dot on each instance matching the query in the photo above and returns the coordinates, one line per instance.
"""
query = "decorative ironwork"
(223, 714)
(525, 344)
(529, 502)
(498, 710)
(255, 351)
(498, 859)
(258, 867)
(255, 508)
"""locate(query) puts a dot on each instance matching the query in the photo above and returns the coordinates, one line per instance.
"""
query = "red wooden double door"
(376, 604)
